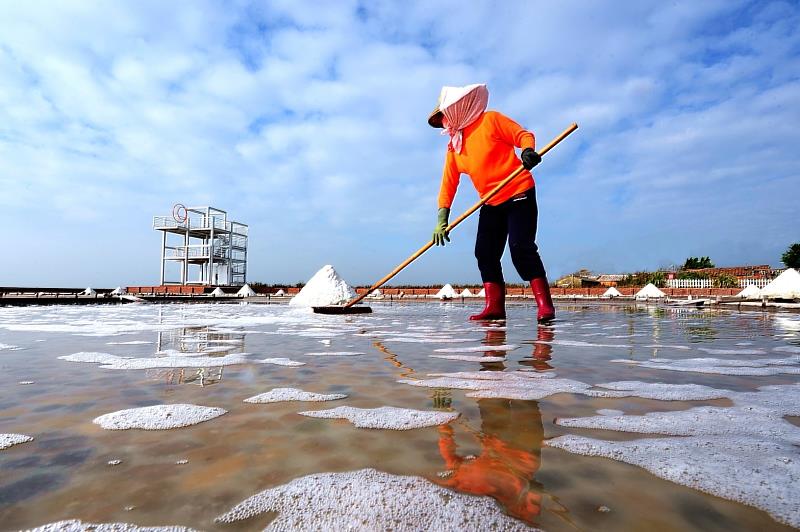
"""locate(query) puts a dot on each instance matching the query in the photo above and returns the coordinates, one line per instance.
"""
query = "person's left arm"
(514, 134)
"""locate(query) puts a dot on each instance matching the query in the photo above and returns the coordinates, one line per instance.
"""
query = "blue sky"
(308, 122)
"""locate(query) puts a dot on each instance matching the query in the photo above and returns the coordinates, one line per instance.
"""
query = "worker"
(482, 145)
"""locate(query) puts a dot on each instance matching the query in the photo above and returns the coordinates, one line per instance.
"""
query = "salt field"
(241, 417)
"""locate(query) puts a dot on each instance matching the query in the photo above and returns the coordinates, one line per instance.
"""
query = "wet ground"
(189, 476)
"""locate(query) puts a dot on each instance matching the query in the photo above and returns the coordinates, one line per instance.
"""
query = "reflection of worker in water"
(542, 350)
(511, 440)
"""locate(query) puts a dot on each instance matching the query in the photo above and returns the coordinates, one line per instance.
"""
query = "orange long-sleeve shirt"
(487, 156)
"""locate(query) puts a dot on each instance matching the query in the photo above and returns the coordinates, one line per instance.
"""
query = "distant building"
(205, 247)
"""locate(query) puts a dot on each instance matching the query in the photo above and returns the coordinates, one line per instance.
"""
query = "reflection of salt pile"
(278, 395)
(385, 417)
(158, 417)
(9, 440)
(324, 288)
(76, 525)
(372, 500)
(784, 286)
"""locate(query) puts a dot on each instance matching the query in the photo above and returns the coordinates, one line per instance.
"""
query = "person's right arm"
(447, 191)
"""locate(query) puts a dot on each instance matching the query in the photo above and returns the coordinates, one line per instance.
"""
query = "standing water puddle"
(615, 471)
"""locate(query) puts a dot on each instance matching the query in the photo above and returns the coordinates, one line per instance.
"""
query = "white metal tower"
(208, 250)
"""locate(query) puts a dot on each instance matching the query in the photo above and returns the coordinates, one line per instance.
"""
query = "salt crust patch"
(503, 384)
(788, 349)
(756, 472)
(385, 417)
(158, 417)
(657, 390)
(712, 351)
(334, 354)
(9, 440)
(277, 395)
(754, 367)
(477, 349)
(74, 525)
(468, 358)
(110, 361)
(610, 412)
(428, 340)
(7, 347)
(577, 343)
(372, 500)
(746, 453)
(131, 342)
(281, 362)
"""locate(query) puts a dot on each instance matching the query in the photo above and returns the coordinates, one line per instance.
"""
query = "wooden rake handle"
(463, 217)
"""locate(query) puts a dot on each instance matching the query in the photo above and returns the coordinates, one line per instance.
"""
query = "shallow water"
(495, 448)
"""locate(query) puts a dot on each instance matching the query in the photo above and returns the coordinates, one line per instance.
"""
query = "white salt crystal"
(114, 462)
(75, 525)
(372, 500)
(610, 412)
(277, 395)
(385, 417)
(334, 354)
(477, 349)
(753, 471)
(281, 362)
(753, 367)
(181, 462)
(158, 417)
(324, 288)
(9, 440)
(469, 358)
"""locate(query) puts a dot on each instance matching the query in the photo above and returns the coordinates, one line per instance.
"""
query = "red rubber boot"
(495, 308)
(541, 291)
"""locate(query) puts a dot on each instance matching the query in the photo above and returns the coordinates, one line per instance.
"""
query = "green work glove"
(440, 232)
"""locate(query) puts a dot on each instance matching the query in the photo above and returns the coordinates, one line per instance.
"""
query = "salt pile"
(784, 286)
(466, 293)
(446, 292)
(278, 395)
(158, 417)
(649, 292)
(9, 440)
(372, 500)
(75, 525)
(324, 288)
(612, 292)
(750, 291)
(385, 417)
(246, 291)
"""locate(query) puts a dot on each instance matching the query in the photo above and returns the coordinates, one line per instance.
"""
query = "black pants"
(515, 221)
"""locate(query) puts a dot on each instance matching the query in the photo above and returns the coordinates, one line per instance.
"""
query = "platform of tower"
(203, 245)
